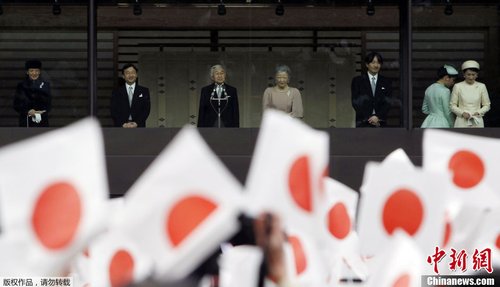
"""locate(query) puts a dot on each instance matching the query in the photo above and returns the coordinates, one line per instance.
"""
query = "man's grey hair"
(215, 68)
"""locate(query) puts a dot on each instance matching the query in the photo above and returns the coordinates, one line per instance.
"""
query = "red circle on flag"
(339, 222)
(498, 242)
(467, 167)
(299, 183)
(121, 269)
(56, 215)
(298, 254)
(185, 216)
(403, 209)
(402, 281)
(447, 232)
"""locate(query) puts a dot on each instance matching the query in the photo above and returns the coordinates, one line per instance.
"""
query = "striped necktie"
(130, 95)
(374, 85)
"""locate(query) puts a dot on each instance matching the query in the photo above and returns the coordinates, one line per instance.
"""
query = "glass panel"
(174, 46)
(59, 42)
(470, 32)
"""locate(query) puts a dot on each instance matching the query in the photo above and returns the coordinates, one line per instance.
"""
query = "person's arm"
(21, 102)
(202, 109)
(267, 99)
(297, 108)
(355, 91)
(425, 105)
(454, 103)
(45, 96)
(385, 104)
(485, 101)
(115, 109)
(445, 103)
(270, 237)
(144, 109)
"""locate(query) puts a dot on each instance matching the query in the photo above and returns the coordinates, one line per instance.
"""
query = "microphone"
(213, 92)
(226, 96)
(219, 94)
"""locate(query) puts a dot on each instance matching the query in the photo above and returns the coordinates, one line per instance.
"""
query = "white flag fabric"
(338, 215)
(60, 207)
(401, 264)
(395, 198)
(182, 207)
(116, 261)
(240, 266)
(471, 161)
(488, 236)
(287, 170)
(399, 155)
(462, 224)
(338, 212)
(305, 265)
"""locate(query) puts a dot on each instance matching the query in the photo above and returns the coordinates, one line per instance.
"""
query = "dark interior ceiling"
(250, 2)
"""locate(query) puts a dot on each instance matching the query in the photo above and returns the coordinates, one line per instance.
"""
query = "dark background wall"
(129, 152)
(28, 31)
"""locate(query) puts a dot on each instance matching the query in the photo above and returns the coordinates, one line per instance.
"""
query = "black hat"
(33, 64)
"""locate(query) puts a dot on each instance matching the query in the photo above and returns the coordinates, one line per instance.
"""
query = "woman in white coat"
(469, 98)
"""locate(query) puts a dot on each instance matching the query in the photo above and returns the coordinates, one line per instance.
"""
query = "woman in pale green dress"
(437, 99)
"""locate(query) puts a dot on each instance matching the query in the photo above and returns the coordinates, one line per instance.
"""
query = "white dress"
(471, 99)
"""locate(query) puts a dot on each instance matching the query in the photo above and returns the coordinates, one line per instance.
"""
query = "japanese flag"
(338, 213)
(116, 261)
(462, 222)
(183, 206)
(400, 265)
(305, 265)
(240, 266)
(81, 263)
(395, 198)
(53, 190)
(471, 160)
(287, 171)
(399, 155)
(488, 236)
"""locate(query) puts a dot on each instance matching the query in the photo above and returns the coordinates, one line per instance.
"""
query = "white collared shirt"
(370, 76)
(127, 87)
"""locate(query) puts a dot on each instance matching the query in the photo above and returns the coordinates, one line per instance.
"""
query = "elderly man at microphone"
(218, 102)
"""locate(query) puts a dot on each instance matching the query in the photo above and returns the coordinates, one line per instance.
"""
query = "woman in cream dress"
(469, 99)
(283, 97)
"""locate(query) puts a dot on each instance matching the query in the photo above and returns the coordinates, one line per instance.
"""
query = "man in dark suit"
(218, 102)
(371, 94)
(130, 103)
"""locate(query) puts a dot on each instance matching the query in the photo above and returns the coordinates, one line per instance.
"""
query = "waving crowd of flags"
(56, 218)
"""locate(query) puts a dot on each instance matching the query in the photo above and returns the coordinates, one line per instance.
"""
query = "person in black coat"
(218, 98)
(130, 103)
(32, 99)
(371, 94)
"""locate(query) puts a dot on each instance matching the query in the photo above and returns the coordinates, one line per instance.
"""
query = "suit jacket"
(121, 109)
(364, 103)
(230, 114)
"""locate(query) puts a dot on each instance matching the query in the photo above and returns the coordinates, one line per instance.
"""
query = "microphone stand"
(219, 99)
